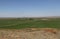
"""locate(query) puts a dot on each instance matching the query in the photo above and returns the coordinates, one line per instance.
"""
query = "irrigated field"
(29, 23)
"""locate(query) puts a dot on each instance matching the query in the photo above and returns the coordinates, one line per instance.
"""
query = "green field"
(19, 23)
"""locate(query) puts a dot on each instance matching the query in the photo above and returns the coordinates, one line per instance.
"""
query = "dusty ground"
(30, 33)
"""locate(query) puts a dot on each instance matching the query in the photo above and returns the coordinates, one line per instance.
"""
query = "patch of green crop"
(29, 23)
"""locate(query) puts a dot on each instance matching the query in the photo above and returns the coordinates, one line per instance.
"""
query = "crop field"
(18, 23)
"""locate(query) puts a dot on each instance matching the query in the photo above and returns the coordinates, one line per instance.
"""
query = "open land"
(30, 28)
(18, 23)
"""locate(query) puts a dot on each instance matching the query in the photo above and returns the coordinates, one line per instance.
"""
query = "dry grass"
(30, 33)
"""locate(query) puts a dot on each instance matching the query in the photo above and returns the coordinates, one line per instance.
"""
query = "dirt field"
(30, 33)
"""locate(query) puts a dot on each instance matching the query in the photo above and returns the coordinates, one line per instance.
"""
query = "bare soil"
(30, 33)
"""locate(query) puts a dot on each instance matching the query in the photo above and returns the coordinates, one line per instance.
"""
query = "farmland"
(18, 23)
(29, 28)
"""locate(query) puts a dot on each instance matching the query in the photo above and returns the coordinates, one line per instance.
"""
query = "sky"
(29, 8)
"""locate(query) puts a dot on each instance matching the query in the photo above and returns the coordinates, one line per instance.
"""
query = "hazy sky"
(29, 8)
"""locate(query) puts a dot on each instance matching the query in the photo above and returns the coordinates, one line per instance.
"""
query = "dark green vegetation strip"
(29, 23)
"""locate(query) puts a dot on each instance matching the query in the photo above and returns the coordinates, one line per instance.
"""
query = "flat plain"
(29, 28)
(19, 23)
